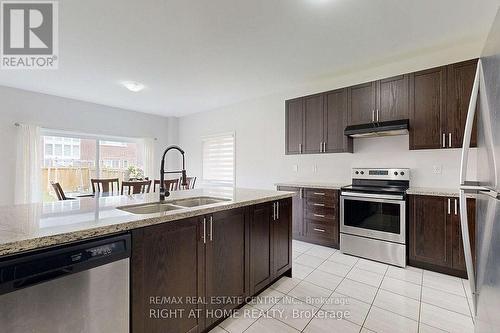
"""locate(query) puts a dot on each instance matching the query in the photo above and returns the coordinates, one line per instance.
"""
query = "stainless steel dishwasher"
(83, 287)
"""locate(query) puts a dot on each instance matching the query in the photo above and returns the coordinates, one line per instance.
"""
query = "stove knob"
(362, 172)
(395, 173)
(402, 173)
(357, 172)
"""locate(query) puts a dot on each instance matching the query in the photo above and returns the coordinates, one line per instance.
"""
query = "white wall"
(259, 126)
(66, 114)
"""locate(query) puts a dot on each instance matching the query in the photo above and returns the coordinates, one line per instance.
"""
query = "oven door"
(379, 217)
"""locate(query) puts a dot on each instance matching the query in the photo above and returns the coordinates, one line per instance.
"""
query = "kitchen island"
(209, 258)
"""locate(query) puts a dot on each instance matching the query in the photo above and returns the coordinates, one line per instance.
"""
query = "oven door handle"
(372, 196)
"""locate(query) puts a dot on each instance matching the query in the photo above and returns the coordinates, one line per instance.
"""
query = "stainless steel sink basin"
(157, 207)
(198, 201)
(150, 208)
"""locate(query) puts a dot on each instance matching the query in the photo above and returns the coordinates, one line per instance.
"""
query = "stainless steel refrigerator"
(484, 273)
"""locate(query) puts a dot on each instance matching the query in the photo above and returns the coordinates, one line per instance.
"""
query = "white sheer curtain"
(150, 169)
(28, 164)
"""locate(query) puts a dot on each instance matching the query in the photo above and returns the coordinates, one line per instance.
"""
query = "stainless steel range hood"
(383, 128)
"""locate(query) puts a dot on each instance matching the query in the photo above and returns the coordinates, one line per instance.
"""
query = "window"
(72, 160)
(218, 160)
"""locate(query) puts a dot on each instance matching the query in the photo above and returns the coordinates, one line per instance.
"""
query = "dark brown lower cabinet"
(270, 243)
(227, 261)
(297, 210)
(168, 260)
(315, 215)
(186, 274)
(435, 239)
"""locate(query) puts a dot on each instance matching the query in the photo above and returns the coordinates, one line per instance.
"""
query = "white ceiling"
(196, 55)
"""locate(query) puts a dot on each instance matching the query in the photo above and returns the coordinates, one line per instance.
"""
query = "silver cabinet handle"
(444, 140)
(204, 230)
(377, 114)
(456, 207)
(301, 193)
(449, 204)
(277, 210)
(320, 230)
(300, 148)
(318, 204)
(211, 228)
(449, 140)
(321, 147)
(319, 215)
(373, 116)
(319, 193)
(324, 146)
(274, 211)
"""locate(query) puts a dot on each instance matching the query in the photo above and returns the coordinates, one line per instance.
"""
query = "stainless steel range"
(373, 215)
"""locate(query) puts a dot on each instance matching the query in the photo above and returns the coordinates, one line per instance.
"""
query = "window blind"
(218, 159)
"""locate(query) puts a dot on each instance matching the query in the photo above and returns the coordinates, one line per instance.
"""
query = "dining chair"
(190, 183)
(105, 185)
(170, 184)
(60, 192)
(136, 187)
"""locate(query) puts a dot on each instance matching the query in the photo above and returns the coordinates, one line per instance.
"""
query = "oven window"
(379, 216)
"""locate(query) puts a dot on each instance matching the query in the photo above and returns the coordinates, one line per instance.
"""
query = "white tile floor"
(333, 292)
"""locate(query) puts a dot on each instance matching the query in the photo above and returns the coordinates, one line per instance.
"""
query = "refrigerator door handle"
(469, 263)
(469, 124)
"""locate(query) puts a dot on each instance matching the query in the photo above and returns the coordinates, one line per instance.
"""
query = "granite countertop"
(440, 192)
(329, 186)
(34, 226)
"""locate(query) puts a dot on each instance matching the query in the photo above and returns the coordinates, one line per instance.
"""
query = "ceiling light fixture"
(133, 86)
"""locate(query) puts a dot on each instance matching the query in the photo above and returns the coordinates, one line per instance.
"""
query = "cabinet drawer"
(320, 194)
(322, 215)
(316, 230)
(319, 203)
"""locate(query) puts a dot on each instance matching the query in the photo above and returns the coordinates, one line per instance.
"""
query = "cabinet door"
(460, 82)
(392, 98)
(458, 257)
(427, 108)
(226, 259)
(313, 124)
(335, 121)
(362, 103)
(429, 230)
(282, 235)
(297, 210)
(261, 246)
(167, 261)
(294, 118)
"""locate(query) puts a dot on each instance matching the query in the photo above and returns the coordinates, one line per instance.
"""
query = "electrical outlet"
(295, 168)
(437, 169)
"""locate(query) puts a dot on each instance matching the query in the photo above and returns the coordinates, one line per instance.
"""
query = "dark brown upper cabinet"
(460, 82)
(313, 123)
(435, 101)
(294, 119)
(439, 101)
(362, 103)
(335, 121)
(427, 109)
(392, 98)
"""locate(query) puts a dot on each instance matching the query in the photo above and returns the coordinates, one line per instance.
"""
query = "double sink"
(158, 207)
